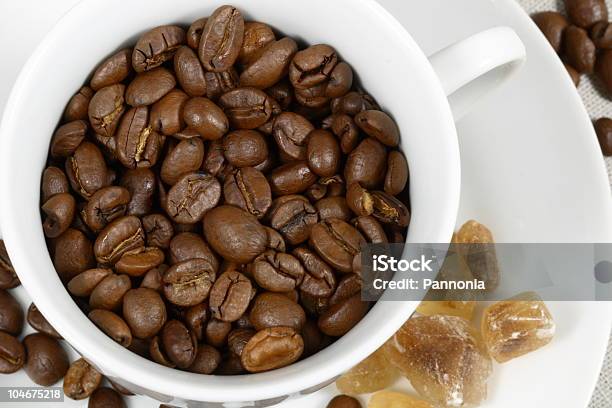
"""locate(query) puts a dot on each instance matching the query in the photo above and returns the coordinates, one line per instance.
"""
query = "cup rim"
(120, 363)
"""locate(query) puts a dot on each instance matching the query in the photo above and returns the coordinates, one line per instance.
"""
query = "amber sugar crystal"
(460, 308)
(372, 374)
(392, 399)
(476, 245)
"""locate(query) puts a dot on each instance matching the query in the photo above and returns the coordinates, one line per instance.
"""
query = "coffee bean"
(167, 113)
(277, 271)
(206, 360)
(319, 280)
(153, 278)
(603, 128)
(585, 13)
(156, 47)
(195, 32)
(108, 294)
(192, 196)
(343, 316)
(138, 263)
(291, 132)
(272, 348)
(67, 138)
(352, 103)
(246, 108)
(323, 153)
(234, 234)
(113, 70)
(378, 125)
(187, 245)
(333, 207)
(238, 338)
(218, 83)
(275, 240)
(39, 323)
(256, 37)
(601, 34)
(104, 206)
(384, 207)
(579, 49)
(230, 296)
(371, 229)
(73, 254)
(274, 310)
(189, 72)
(397, 173)
(77, 107)
(552, 25)
(158, 230)
(248, 189)
(245, 148)
(186, 157)
(312, 66)
(106, 108)
(366, 164)
(282, 93)
(123, 235)
(346, 130)
(326, 187)
(603, 69)
(206, 118)
(336, 242)
(141, 184)
(85, 282)
(11, 315)
(180, 345)
(86, 170)
(189, 282)
(349, 285)
(12, 354)
(293, 216)
(216, 332)
(196, 318)
(59, 212)
(269, 65)
(221, 39)
(291, 178)
(105, 398)
(149, 87)
(144, 311)
(344, 401)
(313, 338)
(54, 182)
(81, 380)
(112, 325)
(46, 361)
(8, 277)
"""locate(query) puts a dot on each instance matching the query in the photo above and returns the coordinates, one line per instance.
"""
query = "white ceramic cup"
(390, 66)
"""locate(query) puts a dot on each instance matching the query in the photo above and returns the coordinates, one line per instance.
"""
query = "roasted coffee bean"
(275, 240)
(230, 365)
(149, 87)
(246, 108)
(344, 401)
(39, 323)
(343, 316)
(186, 157)
(352, 103)
(218, 83)
(189, 72)
(277, 271)
(12, 354)
(11, 315)
(366, 164)
(269, 65)
(123, 235)
(67, 138)
(77, 107)
(603, 69)
(272, 348)
(349, 285)
(113, 70)
(138, 263)
(397, 173)
(180, 344)
(603, 128)
(378, 125)
(54, 182)
(158, 230)
(314, 306)
(104, 206)
(234, 234)
(108, 294)
(312, 66)
(59, 212)
(314, 97)
(238, 338)
(275, 309)
(245, 148)
(323, 153)
(552, 25)
(87, 170)
(195, 32)
(282, 93)
(293, 216)
(340, 81)
(106, 108)
(85, 282)
(196, 318)
(187, 245)
(291, 178)
(333, 207)
(192, 196)
(81, 380)
(73, 254)
(248, 189)
(167, 113)
(206, 118)
(215, 161)
(156, 47)
(112, 325)
(601, 34)
(313, 338)
(153, 278)
(230, 296)
(371, 229)
(585, 13)
(384, 207)
(336, 242)
(105, 398)
(326, 187)
(206, 361)
(319, 280)
(579, 49)
(291, 132)
(144, 311)
(189, 282)
(141, 184)
(256, 37)
(216, 332)
(221, 39)
(346, 131)
(46, 361)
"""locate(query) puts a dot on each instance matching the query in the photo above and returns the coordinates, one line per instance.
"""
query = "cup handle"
(471, 68)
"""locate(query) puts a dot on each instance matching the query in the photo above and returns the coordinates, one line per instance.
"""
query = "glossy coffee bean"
(67, 138)
(397, 173)
(11, 315)
(123, 235)
(105, 398)
(144, 311)
(54, 182)
(336, 242)
(371, 229)
(344, 401)
(256, 37)
(141, 183)
(585, 13)
(59, 212)
(275, 240)
(384, 207)
(333, 207)
(218, 83)
(206, 361)
(601, 34)
(234, 234)
(149, 87)
(186, 157)
(189, 72)
(248, 189)
(352, 103)
(346, 131)
(245, 148)
(221, 39)
(246, 108)
(73, 254)
(106, 108)
(12, 354)
(291, 132)
(46, 361)
(192, 196)
(158, 230)
(156, 47)
(85, 282)
(167, 113)
(180, 345)
(272, 348)
(230, 296)
(189, 282)
(291, 178)
(108, 294)
(112, 325)
(270, 65)
(603, 128)
(113, 70)
(196, 317)
(206, 118)
(312, 66)
(552, 24)
(343, 316)
(216, 332)
(187, 245)
(238, 338)
(86, 170)
(378, 125)
(323, 153)
(195, 32)
(293, 216)
(78, 105)
(138, 263)
(349, 286)
(8, 277)
(579, 49)
(153, 278)
(282, 93)
(104, 206)
(367, 164)
(81, 380)
(38, 322)
(603, 69)
(274, 309)
(277, 271)
(319, 280)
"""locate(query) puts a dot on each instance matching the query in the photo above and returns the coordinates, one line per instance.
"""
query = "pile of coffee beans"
(208, 192)
(583, 40)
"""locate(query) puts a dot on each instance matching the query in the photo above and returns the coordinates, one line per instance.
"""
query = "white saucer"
(532, 171)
